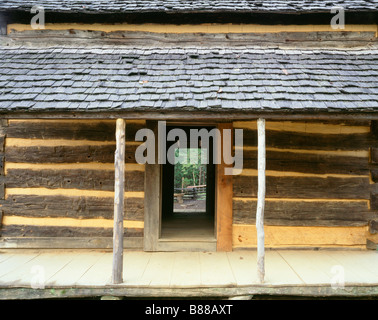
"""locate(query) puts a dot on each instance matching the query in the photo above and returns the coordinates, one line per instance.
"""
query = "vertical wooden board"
(186, 270)
(81, 262)
(152, 198)
(134, 266)
(99, 274)
(216, 270)
(244, 266)
(223, 199)
(159, 269)
(38, 270)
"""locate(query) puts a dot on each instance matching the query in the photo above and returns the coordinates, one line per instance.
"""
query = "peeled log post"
(119, 166)
(261, 200)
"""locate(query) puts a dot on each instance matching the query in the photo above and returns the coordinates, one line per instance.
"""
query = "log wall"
(59, 184)
(318, 188)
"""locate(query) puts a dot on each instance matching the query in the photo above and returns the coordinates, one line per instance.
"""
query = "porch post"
(119, 166)
(261, 200)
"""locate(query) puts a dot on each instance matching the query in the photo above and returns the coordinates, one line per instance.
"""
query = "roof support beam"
(119, 166)
(261, 160)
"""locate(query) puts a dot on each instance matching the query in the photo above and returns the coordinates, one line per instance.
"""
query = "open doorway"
(188, 190)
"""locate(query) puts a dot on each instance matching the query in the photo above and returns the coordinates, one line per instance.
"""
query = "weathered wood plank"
(76, 179)
(67, 154)
(223, 198)
(186, 270)
(96, 130)
(299, 140)
(194, 37)
(71, 272)
(304, 187)
(304, 213)
(208, 261)
(244, 236)
(153, 198)
(73, 207)
(74, 130)
(308, 163)
(69, 232)
(92, 242)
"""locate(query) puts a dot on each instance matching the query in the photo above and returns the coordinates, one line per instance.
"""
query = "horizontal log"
(304, 187)
(75, 179)
(244, 236)
(73, 130)
(67, 154)
(93, 242)
(304, 213)
(311, 126)
(72, 207)
(308, 163)
(49, 231)
(309, 141)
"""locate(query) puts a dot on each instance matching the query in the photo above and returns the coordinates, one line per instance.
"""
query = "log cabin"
(78, 85)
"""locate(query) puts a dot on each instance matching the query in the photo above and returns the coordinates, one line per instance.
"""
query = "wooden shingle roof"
(103, 79)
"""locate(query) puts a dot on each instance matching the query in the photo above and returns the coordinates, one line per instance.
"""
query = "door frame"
(153, 204)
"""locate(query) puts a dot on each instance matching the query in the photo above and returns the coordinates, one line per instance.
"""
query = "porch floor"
(80, 273)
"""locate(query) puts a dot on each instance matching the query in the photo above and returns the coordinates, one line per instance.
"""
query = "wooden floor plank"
(75, 269)
(244, 267)
(15, 263)
(190, 269)
(358, 266)
(159, 269)
(5, 256)
(313, 267)
(99, 274)
(278, 271)
(134, 266)
(38, 270)
(186, 270)
(216, 269)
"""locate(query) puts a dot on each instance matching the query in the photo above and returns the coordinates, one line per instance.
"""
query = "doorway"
(188, 189)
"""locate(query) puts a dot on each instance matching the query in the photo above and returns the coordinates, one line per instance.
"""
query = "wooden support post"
(119, 166)
(261, 201)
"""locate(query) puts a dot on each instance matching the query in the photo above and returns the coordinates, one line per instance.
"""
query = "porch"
(87, 273)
